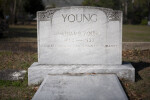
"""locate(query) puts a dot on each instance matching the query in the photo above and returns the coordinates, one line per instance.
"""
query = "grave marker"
(80, 35)
(78, 41)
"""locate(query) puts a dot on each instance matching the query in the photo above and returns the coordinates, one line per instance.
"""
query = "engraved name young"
(80, 17)
(79, 35)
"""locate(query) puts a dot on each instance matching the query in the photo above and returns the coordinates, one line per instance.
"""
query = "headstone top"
(111, 14)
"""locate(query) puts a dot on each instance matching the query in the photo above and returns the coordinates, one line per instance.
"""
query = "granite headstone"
(80, 35)
(75, 40)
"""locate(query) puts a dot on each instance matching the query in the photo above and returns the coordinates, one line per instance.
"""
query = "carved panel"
(46, 15)
(112, 15)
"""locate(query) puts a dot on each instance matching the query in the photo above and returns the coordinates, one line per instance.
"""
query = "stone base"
(83, 87)
(37, 72)
(149, 23)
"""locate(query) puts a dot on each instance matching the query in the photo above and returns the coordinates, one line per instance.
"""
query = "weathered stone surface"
(80, 35)
(37, 72)
(84, 87)
(149, 23)
(12, 74)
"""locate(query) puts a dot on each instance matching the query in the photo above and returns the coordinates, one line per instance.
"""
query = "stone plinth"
(37, 72)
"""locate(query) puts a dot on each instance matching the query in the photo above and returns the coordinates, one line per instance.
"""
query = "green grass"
(136, 33)
(28, 33)
(16, 90)
(18, 60)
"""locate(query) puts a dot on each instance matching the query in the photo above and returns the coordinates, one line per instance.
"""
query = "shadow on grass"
(138, 67)
(18, 46)
(139, 89)
(21, 32)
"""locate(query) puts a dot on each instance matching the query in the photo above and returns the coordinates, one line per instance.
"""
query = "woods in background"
(135, 11)
(21, 11)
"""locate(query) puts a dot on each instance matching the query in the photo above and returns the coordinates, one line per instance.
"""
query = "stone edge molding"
(37, 72)
(112, 15)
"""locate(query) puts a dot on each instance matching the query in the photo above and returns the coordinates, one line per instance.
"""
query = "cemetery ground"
(19, 90)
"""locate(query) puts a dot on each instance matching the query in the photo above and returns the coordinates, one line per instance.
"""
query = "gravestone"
(75, 40)
(80, 36)
(85, 44)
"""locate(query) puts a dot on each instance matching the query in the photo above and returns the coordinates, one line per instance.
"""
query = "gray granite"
(84, 87)
(37, 72)
(79, 35)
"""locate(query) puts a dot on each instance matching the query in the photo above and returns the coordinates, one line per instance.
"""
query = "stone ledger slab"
(84, 87)
(37, 72)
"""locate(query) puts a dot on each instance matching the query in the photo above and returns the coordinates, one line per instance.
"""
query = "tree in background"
(135, 11)
(138, 11)
(32, 6)
(15, 10)
(114, 4)
(1, 10)
(148, 12)
(11, 9)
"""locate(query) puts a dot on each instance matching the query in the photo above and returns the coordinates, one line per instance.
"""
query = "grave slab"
(37, 72)
(82, 87)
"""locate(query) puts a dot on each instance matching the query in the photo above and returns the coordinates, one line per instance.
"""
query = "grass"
(136, 33)
(17, 60)
(140, 90)
(19, 90)
(21, 33)
(16, 90)
(28, 33)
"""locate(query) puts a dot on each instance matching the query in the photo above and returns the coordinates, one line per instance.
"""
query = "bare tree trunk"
(5, 2)
(14, 12)
(126, 8)
(148, 13)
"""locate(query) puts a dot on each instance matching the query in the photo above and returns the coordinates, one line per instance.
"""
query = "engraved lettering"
(70, 18)
(94, 19)
(80, 17)
(85, 17)
(64, 17)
